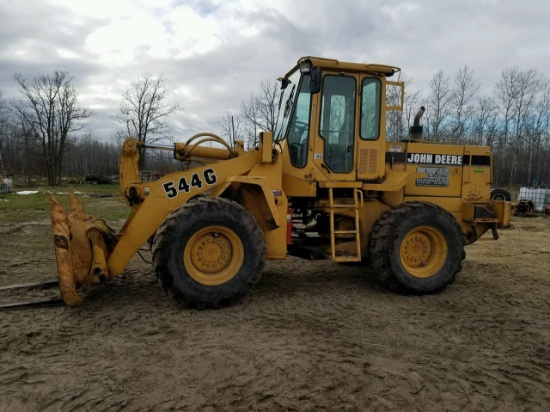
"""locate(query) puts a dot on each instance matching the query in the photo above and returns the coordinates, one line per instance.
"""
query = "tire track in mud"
(311, 336)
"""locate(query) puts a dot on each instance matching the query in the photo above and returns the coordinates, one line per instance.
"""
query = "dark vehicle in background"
(98, 179)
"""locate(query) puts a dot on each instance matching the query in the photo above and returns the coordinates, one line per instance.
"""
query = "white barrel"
(539, 196)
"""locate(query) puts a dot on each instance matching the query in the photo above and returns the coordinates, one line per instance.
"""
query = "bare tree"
(3, 110)
(50, 113)
(251, 119)
(516, 93)
(144, 111)
(230, 126)
(530, 106)
(505, 92)
(541, 135)
(92, 155)
(438, 105)
(462, 110)
(3, 128)
(268, 104)
(484, 120)
(260, 112)
(28, 142)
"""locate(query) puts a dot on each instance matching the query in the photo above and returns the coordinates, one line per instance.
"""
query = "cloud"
(214, 53)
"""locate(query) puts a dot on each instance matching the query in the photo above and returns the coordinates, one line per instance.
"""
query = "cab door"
(371, 141)
(334, 148)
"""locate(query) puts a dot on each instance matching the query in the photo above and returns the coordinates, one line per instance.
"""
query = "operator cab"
(330, 118)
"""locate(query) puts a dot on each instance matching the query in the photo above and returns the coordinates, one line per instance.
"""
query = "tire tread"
(384, 233)
(190, 212)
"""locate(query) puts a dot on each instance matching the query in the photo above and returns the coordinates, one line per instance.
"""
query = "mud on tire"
(209, 253)
(416, 247)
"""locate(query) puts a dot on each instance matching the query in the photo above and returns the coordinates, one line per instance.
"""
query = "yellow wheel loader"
(324, 184)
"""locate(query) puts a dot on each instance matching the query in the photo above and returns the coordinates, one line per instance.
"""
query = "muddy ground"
(312, 336)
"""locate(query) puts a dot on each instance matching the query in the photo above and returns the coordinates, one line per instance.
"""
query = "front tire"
(416, 247)
(209, 253)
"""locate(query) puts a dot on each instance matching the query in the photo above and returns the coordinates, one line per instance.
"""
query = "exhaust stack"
(416, 130)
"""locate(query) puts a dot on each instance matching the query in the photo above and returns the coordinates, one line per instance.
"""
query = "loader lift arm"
(89, 252)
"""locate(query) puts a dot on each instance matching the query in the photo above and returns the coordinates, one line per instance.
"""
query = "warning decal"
(435, 177)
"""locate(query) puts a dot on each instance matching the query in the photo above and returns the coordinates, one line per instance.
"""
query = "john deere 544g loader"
(324, 183)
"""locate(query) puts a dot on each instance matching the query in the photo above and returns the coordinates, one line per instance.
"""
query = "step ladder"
(334, 207)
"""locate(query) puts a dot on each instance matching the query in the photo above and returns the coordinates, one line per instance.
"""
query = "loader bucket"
(83, 244)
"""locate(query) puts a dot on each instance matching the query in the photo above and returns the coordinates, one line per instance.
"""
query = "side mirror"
(284, 82)
(315, 82)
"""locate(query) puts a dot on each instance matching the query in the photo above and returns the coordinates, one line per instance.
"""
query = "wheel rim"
(423, 251)
(499, 197)
(213, 255)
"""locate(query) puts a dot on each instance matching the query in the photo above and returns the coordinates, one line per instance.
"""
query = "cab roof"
(333, 64)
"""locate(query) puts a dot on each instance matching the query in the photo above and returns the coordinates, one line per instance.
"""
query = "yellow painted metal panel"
(394, 181)
(163, 196)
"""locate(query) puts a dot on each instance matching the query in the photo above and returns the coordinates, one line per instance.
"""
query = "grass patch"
(100, 200)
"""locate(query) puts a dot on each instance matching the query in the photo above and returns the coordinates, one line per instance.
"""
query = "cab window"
(370, 109)
(286, 104)
(338, 122)
(298, 133)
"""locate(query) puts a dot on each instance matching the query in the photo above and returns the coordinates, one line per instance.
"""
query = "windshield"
(285, 106)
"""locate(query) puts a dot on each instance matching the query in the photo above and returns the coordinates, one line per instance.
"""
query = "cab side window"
(370, 109)
(338, 122)
(299, 126)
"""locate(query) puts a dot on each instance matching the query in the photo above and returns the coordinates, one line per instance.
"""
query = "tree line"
(513, 119)
(38, 131)
(41, 133)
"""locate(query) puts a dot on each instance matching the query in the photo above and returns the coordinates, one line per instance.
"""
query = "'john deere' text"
(436, 159)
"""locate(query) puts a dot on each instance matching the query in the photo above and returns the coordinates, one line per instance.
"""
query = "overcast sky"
(214, 53)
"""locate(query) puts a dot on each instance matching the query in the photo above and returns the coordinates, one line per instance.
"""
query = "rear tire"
(500, 194)
(209, 253)
(417, 248)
